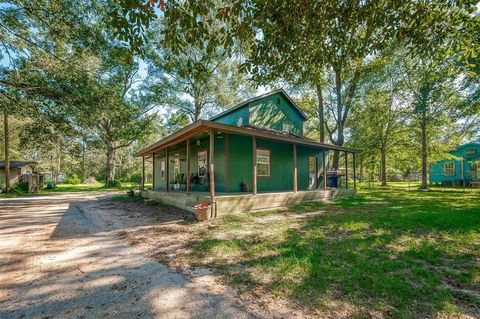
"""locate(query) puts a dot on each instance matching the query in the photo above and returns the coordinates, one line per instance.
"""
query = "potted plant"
(201, 211)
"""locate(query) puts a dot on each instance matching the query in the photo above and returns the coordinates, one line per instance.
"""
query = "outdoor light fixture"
(198, 142)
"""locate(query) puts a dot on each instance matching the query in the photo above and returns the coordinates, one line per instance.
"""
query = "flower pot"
(201, 211)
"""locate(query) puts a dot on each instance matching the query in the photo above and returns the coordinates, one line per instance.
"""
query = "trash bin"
(332, 179)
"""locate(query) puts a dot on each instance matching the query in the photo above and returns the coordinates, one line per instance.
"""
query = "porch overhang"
(204, 125)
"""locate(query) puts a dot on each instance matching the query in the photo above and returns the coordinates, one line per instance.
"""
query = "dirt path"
(56, 262)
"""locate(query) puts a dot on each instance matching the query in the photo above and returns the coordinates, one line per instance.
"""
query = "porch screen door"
(312, 172)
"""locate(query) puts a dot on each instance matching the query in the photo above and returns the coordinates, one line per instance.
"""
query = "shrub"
(72, 179)
(117, 184)
(20, 188)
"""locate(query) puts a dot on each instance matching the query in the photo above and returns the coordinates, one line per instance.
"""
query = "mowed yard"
(388, 253)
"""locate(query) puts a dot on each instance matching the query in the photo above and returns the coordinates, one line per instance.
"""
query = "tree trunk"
(82, 164)
(383, 165)
(110, 166)
(198, 109)
(360, 178)
(321, 114)
(424, 148)
(340, 133)
(335, 160)
(7, 153)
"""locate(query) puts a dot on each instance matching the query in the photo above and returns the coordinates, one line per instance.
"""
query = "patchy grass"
(386, 253)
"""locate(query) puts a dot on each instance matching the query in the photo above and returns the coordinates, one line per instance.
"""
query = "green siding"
(241, 162)
(281, 167)
(231, 118)
(220, 163)
(270, 112)
(273, 111)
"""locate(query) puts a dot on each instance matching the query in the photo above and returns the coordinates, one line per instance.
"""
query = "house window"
(286, 127)
(474, 172)
(176, 165)
(449, 168)
(162, 169)
(202, 163)
(263, 162)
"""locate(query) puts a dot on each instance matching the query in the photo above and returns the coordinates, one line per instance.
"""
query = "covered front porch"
(238, 169)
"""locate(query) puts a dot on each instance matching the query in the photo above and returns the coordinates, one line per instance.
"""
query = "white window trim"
(162, 169)
(445, 168)
(269, 162)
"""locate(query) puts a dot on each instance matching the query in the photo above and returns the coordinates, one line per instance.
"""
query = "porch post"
(153, 171)
(324, 166)
(227, 163)
(167, 178)
(294, 168)
(188, 166)
(212, 155)
(354, 172)
(254, 169)
(142, 186)
(346, 169)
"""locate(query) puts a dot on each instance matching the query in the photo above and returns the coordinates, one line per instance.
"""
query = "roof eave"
(203, 124)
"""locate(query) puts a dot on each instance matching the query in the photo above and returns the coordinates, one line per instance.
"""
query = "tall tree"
(100, 93)
(196, 78)
(379, 119)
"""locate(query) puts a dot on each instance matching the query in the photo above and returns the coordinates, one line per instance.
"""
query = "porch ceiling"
(203, 125)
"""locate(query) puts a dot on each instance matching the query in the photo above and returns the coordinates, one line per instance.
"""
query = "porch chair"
(205, 182)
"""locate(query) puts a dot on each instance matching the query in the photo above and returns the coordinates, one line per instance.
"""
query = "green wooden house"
(462, 168)
(251, 156)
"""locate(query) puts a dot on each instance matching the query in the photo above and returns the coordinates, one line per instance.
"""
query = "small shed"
(18, 171)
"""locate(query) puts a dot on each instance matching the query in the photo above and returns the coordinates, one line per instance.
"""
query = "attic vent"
(240, 121)
(278, 100)
(472, 152)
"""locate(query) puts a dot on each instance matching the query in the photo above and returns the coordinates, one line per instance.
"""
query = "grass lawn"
(385, 254)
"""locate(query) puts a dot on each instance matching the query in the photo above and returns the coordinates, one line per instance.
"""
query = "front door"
(312, 172)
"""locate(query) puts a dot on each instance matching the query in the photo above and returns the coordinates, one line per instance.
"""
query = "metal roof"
(203, 125)
(17, 164)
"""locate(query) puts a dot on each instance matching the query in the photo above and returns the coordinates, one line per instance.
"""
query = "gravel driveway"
(58, 261)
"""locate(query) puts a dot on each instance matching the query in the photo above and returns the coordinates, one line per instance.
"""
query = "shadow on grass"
(406, 254)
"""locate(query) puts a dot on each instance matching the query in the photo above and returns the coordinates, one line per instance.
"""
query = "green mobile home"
(462, 168)
(252, 156)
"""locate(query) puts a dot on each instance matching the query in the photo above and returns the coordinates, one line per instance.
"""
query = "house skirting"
(227, 204)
